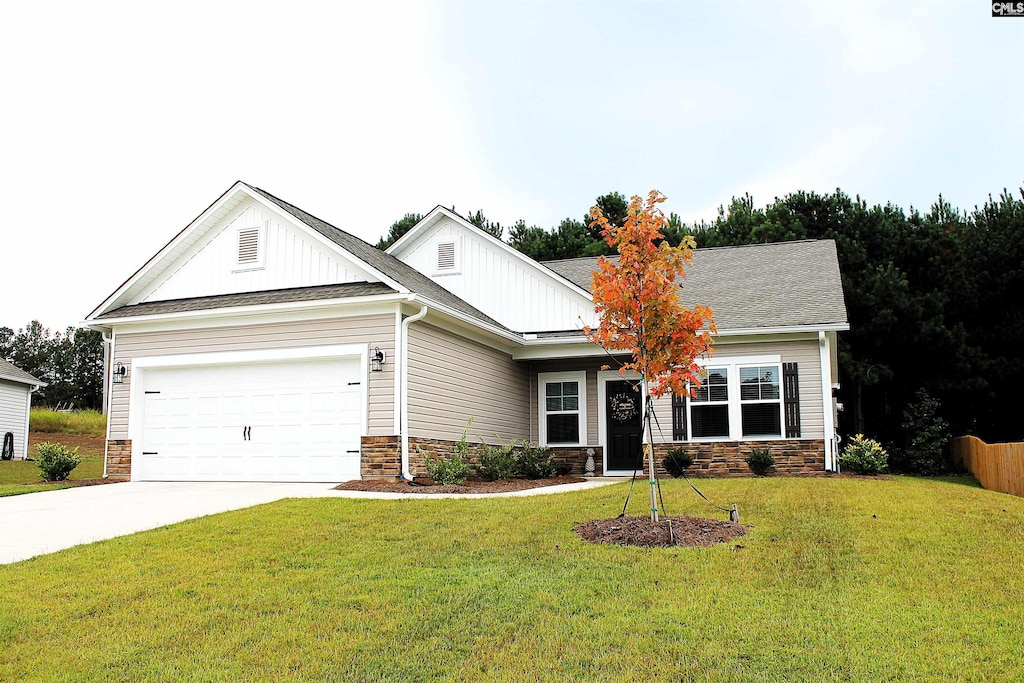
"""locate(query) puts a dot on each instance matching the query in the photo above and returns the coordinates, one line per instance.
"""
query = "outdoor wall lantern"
(119, 372)
(377, 360)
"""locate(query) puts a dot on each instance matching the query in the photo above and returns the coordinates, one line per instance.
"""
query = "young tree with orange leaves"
(637, 299)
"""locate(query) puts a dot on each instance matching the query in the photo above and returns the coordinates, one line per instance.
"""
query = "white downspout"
(107, 398)
(32, 388)
(404, 392)
(825, 358)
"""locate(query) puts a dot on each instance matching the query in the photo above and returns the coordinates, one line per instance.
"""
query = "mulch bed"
(690, 532)
(421, 485)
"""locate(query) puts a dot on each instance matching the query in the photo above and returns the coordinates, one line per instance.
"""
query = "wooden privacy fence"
(998, 466)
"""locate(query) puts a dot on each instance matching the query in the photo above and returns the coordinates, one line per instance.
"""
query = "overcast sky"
(120, 123)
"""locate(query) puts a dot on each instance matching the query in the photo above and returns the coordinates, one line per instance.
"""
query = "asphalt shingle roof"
(759, 285)
(275, 296)
(13, 373)
(397, 270)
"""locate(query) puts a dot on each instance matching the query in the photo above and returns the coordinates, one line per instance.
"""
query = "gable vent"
(446, 256)
(249, 245)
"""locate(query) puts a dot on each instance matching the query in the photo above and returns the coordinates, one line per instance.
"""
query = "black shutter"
(791, 389)
(678, 418)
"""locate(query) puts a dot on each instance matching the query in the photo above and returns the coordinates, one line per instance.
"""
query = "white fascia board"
(411, 237)
(170, 246)
(219, 316)
(22, 380)
(576, 350)
(757, 331)
(329, 244)
(406, 240)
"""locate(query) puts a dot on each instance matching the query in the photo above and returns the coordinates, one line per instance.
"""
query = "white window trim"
(733, 365)
(261, 248)
(543, 378)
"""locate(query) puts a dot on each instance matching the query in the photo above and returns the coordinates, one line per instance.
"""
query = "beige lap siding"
(452, 379)
(375, 330)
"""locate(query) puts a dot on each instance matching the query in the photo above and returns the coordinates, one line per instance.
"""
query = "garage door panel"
(305, 419)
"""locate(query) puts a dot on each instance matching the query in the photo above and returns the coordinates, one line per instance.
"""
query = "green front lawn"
(839, 579)
(22, 476)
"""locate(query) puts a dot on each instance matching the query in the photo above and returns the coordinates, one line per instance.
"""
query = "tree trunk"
(648, 439)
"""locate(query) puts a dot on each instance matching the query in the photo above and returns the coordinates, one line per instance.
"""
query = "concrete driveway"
(39, 523)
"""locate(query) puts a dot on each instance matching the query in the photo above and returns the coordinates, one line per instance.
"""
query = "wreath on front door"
(623, 407)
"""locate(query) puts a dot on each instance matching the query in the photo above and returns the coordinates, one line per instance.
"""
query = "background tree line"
(935, 301)
(70, 362)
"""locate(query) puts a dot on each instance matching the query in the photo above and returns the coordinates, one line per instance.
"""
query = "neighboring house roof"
(277, 296)
(12, 373)
(783, 284)
(404, 274)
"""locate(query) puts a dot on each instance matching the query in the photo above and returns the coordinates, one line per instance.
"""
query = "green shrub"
(864, 456)
(760, 461)
(449, 470)
(56, 461)
(925, 435)
(497, 462)
(81, 422)
(676, 462)
(533, 461)
(453, 468)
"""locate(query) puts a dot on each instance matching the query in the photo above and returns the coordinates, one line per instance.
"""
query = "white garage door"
(298, 420)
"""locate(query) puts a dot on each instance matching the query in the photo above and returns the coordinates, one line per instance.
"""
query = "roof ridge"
(803, 240)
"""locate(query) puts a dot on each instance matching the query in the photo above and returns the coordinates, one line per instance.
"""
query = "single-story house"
(16, 389)
(263, 344)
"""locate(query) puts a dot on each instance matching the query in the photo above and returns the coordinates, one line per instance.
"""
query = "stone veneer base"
(380, 456)
(119, 458)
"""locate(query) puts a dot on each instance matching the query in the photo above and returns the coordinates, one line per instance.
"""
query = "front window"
(760, 401)
(738, 400)
(562, 408)
(710, 405)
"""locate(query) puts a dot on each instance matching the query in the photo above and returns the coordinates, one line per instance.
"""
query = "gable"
(251, 249)
(510, 287)
(218, 254)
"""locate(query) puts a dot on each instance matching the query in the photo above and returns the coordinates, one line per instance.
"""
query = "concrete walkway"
(48, 521)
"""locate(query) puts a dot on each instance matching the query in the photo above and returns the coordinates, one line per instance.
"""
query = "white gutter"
(404, 391)
(247, 310)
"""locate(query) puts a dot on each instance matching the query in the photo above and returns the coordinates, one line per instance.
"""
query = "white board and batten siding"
(370, 330)
(517, 294)
(14, 409)
(453, 379)
(274, 254)
(804, 352)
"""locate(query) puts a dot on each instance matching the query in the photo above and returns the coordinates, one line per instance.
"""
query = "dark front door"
(623, 408)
